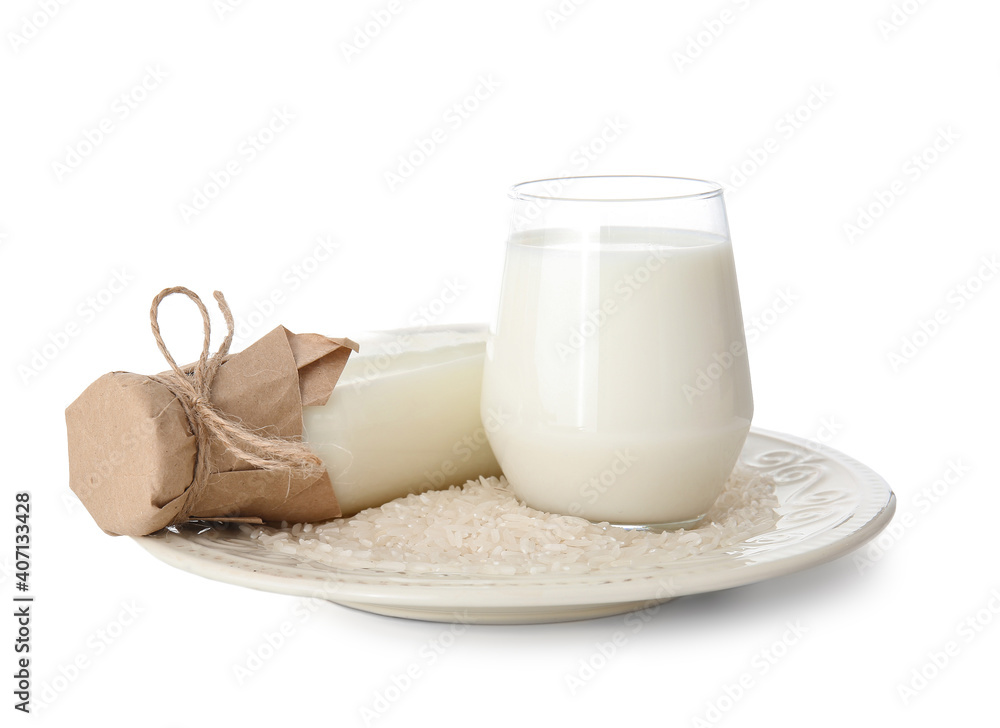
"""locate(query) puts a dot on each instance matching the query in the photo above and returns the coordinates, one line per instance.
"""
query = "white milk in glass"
(620, 360)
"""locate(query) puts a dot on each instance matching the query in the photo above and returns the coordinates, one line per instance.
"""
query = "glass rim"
(704, 188)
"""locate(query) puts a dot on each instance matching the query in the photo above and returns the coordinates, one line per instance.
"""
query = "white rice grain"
(482, 528)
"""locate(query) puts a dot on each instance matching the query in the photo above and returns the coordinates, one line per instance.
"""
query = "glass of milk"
(617, 360)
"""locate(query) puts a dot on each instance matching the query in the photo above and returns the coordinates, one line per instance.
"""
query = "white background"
(702, 90)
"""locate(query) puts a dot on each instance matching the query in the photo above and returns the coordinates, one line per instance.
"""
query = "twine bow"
(193, 388)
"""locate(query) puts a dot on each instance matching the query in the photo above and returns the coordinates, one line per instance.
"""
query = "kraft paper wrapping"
(132, 450)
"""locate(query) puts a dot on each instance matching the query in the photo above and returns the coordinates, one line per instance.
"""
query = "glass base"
(660, 527)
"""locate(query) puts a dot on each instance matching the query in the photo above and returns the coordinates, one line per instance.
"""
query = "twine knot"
(193, 387)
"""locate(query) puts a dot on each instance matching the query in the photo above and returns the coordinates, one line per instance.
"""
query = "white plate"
(830, 505)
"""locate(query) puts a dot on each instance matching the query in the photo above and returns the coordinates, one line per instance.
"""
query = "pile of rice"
(482, 528)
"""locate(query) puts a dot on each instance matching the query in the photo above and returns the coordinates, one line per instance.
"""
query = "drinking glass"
(616, 379)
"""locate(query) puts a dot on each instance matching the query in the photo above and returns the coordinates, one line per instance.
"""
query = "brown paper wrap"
(133, 449)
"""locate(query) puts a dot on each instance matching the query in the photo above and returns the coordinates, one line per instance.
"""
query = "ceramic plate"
(830, 505)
